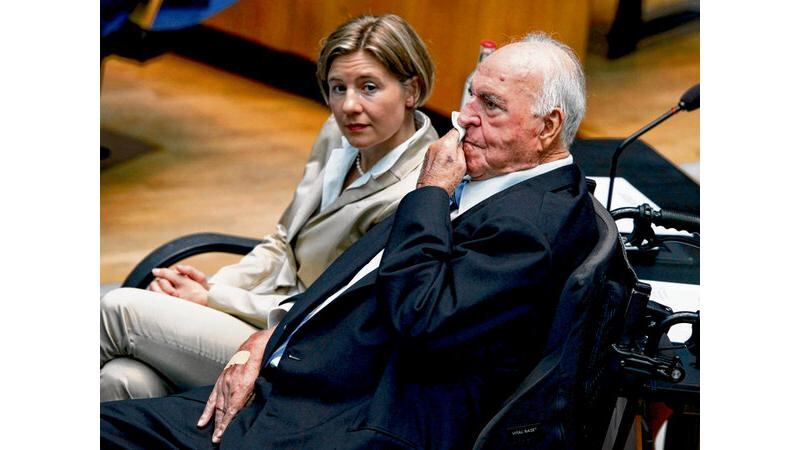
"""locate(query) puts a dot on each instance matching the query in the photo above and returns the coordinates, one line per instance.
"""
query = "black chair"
(182, 248)
(567, 399)
(607, 342)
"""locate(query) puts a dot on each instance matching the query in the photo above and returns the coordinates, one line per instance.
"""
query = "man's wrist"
(449, 190)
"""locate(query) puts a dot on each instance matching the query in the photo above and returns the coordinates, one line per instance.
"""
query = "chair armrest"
(184, 247)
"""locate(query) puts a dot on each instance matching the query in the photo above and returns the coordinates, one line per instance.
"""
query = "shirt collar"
(342, 158)
(477, 191)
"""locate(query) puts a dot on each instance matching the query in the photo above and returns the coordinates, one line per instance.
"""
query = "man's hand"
(444, 164)
(235, 385)
(177, 284)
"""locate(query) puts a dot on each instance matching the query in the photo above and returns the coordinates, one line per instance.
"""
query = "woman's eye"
(337, 89)
(370, 88)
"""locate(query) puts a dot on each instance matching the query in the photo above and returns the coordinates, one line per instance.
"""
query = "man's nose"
(469, 116)
(352, 104)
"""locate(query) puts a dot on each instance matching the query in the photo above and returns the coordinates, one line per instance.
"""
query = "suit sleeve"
(448, 293)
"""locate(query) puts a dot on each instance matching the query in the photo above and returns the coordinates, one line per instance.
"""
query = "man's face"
(501, 128)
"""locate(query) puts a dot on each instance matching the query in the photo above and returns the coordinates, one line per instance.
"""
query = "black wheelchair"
(607, 362)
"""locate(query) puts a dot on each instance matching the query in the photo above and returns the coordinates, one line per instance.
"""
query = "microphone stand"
(674, 110)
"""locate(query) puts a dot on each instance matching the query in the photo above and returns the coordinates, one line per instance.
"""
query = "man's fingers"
(218, 430)
(446, 142)
(452, 135)
(232, 407)
(219, 416)
(209, 409)
(219, 427)
(462, 159)
(449, 142)
(219, 413)
(206, 416)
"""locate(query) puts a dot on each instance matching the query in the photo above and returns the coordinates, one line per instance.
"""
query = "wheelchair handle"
(664, 218)
(677, 220)
(668, 322)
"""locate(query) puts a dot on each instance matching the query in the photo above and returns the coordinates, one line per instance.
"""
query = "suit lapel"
(311, 200)
(339, 273)
(353, 195)
(410, 159)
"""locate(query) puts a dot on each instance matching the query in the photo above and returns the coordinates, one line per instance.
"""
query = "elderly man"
(417, 333)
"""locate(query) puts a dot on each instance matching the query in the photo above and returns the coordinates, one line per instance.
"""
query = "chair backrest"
(559, 404)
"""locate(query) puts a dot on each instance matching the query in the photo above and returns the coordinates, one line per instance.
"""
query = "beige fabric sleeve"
(262, 310)
(265, 259)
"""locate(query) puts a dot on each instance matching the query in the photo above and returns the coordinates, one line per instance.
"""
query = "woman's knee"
(125, 302)
(126, 378)
(119, 298)
(118, 313)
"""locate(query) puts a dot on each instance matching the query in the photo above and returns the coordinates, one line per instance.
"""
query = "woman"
(373, 72)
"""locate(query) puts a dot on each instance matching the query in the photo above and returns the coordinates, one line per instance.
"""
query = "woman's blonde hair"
(390, 40)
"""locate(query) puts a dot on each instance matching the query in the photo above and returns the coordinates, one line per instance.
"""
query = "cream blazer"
(307, 240)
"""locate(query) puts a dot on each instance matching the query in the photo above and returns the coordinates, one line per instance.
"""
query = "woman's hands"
(235, 385)
(184, 282)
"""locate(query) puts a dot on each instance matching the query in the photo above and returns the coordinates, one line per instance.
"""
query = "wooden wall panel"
(450, 29)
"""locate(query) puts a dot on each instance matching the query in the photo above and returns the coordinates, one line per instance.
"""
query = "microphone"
(690, 100)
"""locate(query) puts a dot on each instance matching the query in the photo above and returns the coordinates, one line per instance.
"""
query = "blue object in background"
(181, 14)
(173, 15)
(113, 14)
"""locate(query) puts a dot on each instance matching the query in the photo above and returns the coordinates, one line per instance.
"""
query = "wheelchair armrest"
(184, 247)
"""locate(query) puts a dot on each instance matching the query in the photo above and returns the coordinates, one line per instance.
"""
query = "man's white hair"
(563, 85)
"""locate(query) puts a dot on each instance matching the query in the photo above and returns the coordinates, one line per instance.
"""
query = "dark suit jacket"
(421, 352)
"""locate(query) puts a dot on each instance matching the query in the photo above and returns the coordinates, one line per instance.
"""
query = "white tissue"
(461, 131)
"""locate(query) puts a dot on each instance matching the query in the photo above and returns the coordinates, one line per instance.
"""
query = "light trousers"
(152, 344)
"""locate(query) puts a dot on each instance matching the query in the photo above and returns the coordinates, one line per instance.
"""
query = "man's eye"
(490, 104)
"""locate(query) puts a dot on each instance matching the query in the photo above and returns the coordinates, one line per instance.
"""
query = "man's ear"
(553, 123)
(412, 91)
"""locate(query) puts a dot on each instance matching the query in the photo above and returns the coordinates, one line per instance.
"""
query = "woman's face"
(369, 103)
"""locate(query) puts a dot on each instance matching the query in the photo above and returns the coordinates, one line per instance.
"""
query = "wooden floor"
(223, 153)
(626, 94)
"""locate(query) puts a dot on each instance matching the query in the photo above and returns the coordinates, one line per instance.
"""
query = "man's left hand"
(235, 385)
(444, 164)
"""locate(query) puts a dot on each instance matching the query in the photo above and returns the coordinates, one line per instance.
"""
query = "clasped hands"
(184, 282)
